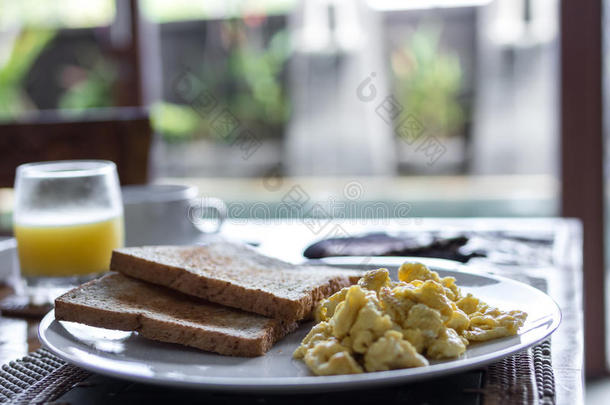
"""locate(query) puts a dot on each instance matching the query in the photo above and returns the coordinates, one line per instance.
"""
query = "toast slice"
(122, 303)
(236, 276)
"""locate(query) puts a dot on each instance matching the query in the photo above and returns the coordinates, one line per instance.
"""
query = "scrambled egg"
(380, 325)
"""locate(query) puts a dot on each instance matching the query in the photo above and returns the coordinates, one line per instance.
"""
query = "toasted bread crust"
(206, 280)
(172, 317)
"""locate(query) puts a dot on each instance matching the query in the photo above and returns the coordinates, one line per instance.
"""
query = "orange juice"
(67, 250)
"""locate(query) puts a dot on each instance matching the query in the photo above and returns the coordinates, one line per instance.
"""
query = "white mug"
(169, 215)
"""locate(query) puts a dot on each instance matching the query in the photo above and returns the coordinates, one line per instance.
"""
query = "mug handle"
(197, 209)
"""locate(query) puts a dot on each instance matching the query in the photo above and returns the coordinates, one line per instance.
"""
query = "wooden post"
(582, 155)
(127, 49)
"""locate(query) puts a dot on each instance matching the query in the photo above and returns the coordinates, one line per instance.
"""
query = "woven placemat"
(524, 378)
(37, 378)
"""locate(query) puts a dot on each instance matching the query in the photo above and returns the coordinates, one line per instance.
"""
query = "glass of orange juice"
(68, 217)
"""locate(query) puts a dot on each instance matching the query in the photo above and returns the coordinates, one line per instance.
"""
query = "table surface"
(287, 239)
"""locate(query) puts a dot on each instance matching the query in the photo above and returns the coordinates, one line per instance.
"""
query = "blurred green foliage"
(259, 72)
(247, 82)
(94, 88)
(428, 82)
(174, 121)
(91, 86)
(28, 44)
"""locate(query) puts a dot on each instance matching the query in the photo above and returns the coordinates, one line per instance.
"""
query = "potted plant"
(427, 85)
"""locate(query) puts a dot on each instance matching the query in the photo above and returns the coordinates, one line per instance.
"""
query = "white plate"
(126, 355)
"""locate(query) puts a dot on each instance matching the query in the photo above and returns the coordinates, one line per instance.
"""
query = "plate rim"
(323, 383)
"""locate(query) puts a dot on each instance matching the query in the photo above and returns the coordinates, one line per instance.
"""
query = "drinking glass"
(68, 217)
